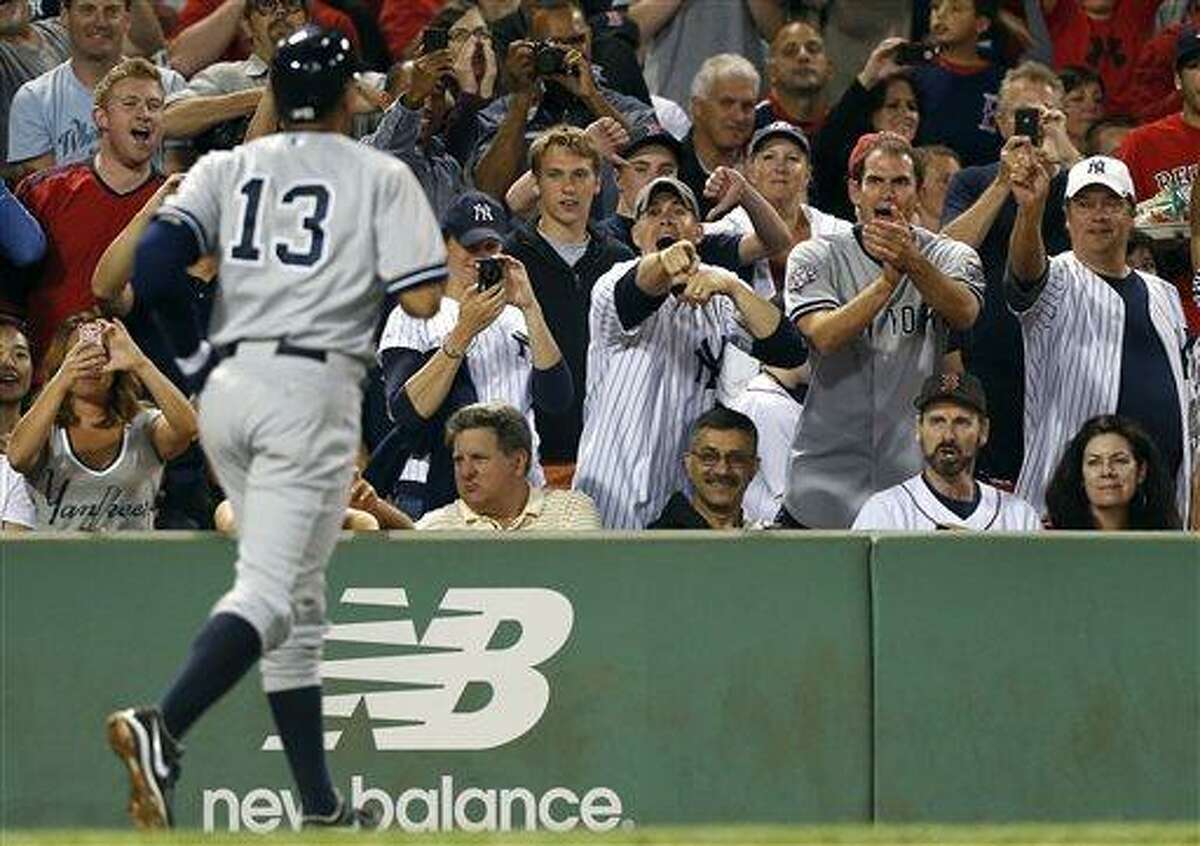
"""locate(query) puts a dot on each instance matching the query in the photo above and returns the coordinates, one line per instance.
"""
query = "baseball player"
(1099, 338)
(312, 229)
(952, 426)
(876, 306)
(659, 326)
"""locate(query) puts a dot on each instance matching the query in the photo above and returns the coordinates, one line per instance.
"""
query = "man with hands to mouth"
(660, 326)
(876, 306)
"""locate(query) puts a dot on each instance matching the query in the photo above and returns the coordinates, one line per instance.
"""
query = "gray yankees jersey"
(645, 385)
(69, 495)
(498, 359)
(311, 229)
(855, 436)
(912, 507)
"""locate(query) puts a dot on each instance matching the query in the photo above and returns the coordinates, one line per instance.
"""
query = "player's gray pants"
(282, 433)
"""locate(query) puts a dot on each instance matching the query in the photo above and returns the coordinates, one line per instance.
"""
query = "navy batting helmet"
(310, 72)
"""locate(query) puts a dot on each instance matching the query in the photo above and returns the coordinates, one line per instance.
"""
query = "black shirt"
(679, 514)
(565, 295)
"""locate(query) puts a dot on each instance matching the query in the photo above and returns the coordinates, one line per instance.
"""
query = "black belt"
(282, 347)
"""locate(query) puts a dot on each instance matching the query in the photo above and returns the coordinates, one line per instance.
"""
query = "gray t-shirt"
(53, 113)
(224, 78)
(69, 495)
(700, 29)
(856, 433)
(20, 62)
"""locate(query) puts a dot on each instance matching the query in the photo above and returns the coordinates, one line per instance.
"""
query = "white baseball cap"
(1100, 170)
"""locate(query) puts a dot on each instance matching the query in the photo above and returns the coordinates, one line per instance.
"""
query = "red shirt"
(401, 20)
(81, 216)
(322, 15)
(1110, 47)
(1163, 153)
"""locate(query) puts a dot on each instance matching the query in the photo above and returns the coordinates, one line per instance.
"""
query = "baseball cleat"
(140, 739)
(344, 816)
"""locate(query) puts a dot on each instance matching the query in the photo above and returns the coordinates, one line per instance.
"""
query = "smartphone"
(915, 53)
(1028, 122)
(490, 271)
(91, 333)
(435, 39)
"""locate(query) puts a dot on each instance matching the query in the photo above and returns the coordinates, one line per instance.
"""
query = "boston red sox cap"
(652, 132)
(475, 217)
(962, 388)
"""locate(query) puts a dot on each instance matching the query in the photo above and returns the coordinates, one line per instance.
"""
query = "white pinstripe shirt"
(1073, 336)
(645, 385)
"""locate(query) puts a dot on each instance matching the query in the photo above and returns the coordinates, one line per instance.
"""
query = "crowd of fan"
(693, 282)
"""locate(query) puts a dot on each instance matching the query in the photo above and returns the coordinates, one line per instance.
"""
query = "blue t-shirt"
(52, 113)
(958, 109)
(1148, 392)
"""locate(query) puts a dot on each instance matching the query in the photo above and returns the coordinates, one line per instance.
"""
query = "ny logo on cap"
(483, 212)
(950, 381)
(1096, 166)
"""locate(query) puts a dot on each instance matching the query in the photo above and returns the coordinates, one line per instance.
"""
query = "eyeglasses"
(735, 460)
(266, 7)
(480, 32)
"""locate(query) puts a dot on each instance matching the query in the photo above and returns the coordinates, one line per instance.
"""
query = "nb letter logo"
(420, 684)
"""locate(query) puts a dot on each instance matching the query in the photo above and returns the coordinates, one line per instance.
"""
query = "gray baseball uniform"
(311, 228)
(855, 436)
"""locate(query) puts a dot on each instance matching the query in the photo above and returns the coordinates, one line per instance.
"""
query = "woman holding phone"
(92, 450)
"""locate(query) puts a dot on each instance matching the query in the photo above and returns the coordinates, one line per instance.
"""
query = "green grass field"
(1002, 835)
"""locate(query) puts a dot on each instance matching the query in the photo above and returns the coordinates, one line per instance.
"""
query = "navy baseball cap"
(962, 388)
(779, 129)
(475, 217)
(649, 133)
(1187, 46)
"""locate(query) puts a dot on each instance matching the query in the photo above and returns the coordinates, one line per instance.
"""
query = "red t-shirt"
(81, 216)
(322, 15)
(1109, 47)
(1163, 153)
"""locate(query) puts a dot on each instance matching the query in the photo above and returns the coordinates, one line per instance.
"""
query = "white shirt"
(16, 502)
(775, 413)
(911, 507)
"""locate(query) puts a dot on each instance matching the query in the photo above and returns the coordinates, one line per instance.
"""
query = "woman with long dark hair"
(91, 449)
(1111, 477)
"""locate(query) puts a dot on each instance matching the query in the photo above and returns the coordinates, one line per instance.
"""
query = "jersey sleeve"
(17, 501)
(604, 318)
(410, 245)
(809, 284)
(1036, 306)
(403, 331)
(197, 203)
(28, 134)
(959, 261)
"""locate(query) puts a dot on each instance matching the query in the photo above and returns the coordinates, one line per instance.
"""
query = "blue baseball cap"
(475, 217)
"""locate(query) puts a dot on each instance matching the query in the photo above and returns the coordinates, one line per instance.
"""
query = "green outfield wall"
(619, 681)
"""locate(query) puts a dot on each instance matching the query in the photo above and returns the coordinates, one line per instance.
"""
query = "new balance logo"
(416, 704)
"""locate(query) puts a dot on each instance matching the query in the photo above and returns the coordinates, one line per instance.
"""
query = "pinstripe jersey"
(498, 360)
(912, 507)
(645, 386)
(855, 436)
(1073, 337)
(306, 225)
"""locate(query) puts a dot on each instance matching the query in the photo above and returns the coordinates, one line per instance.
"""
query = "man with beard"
(798, 70)
(233, 91)
(952, 425)
(82, 207)
(720, 461)
(50, 120)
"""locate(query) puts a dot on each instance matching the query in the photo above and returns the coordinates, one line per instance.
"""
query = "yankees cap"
(1187, 46)
(669, 184)
(779, 129)
(474, 217)
(962, 388)
(1100, 170)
